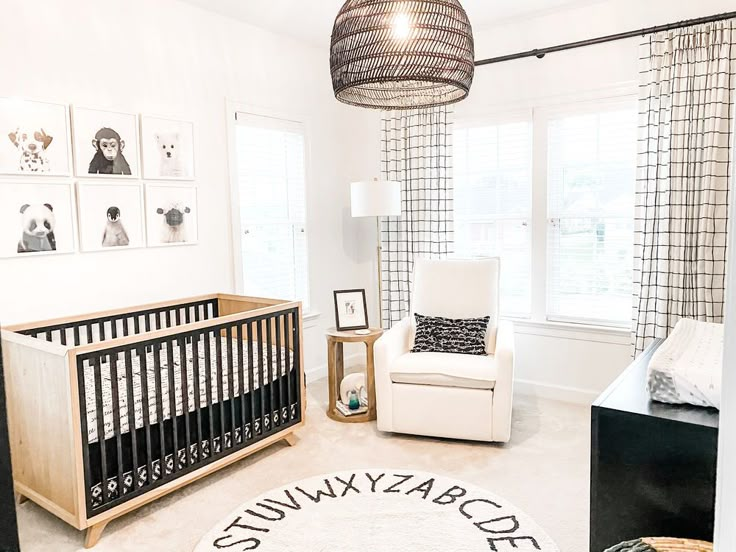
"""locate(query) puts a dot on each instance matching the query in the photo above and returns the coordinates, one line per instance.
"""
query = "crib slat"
(251, 387)
(259, 370)
(131, 414)
(137, 325)
(146, 413)
(269, 371)
(101, 326)
(81, 385)
(287, 360)
(231, 382)
(277, 381)
(177, 315)
(297, 364)
(159, 404)
(62, 332)
(220, 387)
(181, 343)
(114, 383)
(208, 388)
(114, 328)
(172, 403)
(95, 362)
(197, 395)
(168, 318)
(75, 333)
(241, 380)
(126, 330)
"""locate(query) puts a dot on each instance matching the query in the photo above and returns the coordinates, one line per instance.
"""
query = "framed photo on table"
(351, 310)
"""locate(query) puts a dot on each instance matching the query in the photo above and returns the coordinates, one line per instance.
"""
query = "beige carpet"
(543, 471)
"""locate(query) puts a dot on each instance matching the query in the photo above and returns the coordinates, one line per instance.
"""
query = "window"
(590, 186)
(493, 204)
(552, 195)
(271, 180)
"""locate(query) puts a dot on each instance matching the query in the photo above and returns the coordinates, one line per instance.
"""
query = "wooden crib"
(211, 379)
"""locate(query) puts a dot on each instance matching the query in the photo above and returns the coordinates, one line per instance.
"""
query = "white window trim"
(539, 111)
(232, 109)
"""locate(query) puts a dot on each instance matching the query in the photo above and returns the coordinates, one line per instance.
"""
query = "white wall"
(172, 59)
(568, 363)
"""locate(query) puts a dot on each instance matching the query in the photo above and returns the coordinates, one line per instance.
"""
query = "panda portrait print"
(105, 143)
(38, 222)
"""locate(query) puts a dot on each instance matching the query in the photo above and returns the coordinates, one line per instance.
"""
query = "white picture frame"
(35, 138)
(26, 208)
(87, 126)
(111, 216)
(167, 148)
(172, 215)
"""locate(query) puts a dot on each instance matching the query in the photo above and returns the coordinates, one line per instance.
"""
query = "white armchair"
(444, 394)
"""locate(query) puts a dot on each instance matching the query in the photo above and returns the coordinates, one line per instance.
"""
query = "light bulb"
(401, 26)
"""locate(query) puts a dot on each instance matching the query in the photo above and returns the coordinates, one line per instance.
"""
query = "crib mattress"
(267, 373)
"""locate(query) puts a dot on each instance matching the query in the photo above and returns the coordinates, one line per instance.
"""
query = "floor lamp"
(376, 199)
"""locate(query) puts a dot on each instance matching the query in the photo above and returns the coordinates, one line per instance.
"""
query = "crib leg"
(20, 499)
(93, 534)
(291, 439)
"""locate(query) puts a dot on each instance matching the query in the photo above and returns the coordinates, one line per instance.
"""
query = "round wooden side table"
(336, 372)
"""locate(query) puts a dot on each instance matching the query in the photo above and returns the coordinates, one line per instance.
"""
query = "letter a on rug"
(377, 510)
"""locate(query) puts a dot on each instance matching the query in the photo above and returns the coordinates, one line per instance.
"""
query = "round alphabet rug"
(380, 511)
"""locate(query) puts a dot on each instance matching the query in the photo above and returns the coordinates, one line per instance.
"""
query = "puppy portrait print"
(36, 218)
(168, 149)
(110, 215)
(34, 138)
(105, 143)
(171, 215)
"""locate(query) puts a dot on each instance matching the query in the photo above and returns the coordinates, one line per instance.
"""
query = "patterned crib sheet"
(278, 358)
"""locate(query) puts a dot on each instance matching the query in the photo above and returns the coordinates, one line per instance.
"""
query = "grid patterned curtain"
(416, 151)
(687, 107)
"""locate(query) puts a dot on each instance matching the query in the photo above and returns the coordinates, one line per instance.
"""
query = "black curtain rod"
(540, 53)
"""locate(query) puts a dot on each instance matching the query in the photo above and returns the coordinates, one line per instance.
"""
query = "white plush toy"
(353, 382)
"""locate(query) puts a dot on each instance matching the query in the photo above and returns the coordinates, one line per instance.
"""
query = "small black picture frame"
(351, 310)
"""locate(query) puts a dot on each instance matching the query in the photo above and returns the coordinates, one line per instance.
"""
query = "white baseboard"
(317, 373)
(561, 393)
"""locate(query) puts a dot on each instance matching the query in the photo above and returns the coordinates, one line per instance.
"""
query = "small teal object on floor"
(354, 403)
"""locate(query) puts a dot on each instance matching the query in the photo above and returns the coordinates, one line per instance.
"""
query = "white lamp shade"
(375, 199)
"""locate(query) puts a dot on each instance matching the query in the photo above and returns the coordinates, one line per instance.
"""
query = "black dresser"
(8, 523)
(653, 466)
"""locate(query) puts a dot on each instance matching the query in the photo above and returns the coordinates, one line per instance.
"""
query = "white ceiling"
(311, 20)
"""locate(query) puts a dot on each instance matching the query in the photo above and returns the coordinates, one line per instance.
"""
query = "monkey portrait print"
(110, 215)
(105, 143)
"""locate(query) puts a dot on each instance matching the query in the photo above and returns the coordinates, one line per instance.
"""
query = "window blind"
(493, 204)
(590, 186)
(271, 173)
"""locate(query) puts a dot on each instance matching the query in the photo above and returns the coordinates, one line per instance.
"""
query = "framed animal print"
(36, 219)
(110, 216)
(34, 138)
(167, 149)
(105, 143)
(171, 215)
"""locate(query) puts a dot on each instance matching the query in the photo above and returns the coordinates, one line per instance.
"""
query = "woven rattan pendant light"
(402, 54)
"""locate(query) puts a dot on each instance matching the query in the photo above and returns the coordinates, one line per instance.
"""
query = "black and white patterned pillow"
(466, 336)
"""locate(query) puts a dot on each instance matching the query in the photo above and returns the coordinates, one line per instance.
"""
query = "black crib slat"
(145, 405)
(114, 328)
(172, 403)
(126, 330)
(95, 363)
(81, 385)
(62, 334)
(241, 380)
(269, 371)
(277, 382)
(287, 359)
(220, 387)
(197, 394)
(181, 343)
(260, 365)
(208, 388)
(101, 325)
(159, 405)
(114, 383)
(251, 387)
(231, 382)
(131, 414)
(76, 336)
(297, 364)
(90, 338)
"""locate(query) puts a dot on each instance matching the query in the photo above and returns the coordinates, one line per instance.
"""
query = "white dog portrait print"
(36, 219)
(168, 149)
(110, 216)
(34, 138)
(171, 215)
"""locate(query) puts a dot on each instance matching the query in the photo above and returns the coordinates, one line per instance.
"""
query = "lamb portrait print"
(110, 216)
(34, 138)
(168, 150)
(171, 213)
(35, 219)
(105, 143)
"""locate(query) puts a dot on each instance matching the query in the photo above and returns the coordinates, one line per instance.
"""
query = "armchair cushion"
(436, 334)
(445, 370)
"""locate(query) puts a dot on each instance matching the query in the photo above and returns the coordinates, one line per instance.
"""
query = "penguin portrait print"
(115, 234)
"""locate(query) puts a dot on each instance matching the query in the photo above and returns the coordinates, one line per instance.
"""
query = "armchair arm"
(391, 345)
(504, 389)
